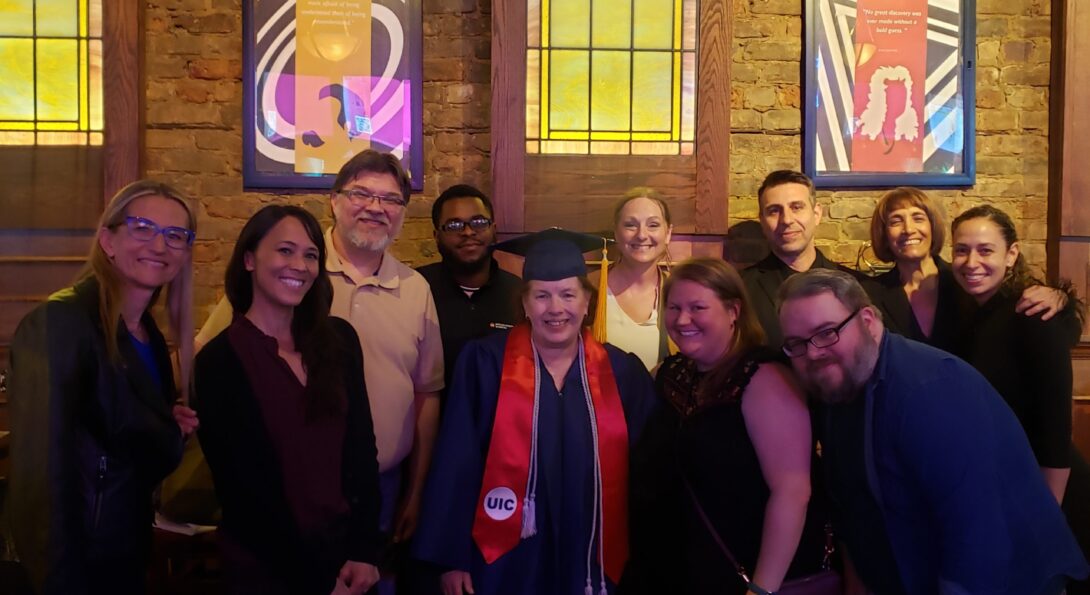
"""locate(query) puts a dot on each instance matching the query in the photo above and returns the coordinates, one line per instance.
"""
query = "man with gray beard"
(933, 483)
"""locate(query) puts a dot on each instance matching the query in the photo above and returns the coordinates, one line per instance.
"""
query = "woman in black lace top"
(738, 432)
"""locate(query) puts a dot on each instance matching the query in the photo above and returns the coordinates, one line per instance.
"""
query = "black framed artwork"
(889, 93)
(324, 80)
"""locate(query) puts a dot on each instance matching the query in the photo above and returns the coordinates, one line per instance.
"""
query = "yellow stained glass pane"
(58, 79)
(43, 125)
(82, 17)
(675, 99)
(653, 24)
(688, 95)
(17, 74)
(564, 147)
(610, 95)
(655, 148)
(688, 32)
(651, 90)
(95, 19)
(62, 138)
(94, 103)
(531, 146)
(612, 20)
(533, 23)
(569, 135)
(16, 125)
(650, 136)
(608, 148)
(533, 93)
(569, 95)
(57, 18)
(610, 135)
(17, 17)
(568, 23)
(83, 92)
(96, 138)
(16, 138)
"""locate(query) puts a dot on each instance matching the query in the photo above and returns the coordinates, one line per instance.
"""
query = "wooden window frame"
(712, 155)
(122, 95)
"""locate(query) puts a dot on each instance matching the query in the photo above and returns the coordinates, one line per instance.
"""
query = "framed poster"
(889, 93)
(324, 80)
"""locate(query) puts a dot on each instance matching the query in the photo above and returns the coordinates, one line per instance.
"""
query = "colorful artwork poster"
(889, 93)
(326, 79)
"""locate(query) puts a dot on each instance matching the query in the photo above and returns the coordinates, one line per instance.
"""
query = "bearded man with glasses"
(473, 296)
(933, 484)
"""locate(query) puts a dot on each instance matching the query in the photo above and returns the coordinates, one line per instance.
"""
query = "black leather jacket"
(91, 438)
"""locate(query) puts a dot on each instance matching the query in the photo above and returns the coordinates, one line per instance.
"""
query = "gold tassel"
(598, 328)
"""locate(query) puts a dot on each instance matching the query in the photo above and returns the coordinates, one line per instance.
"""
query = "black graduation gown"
(554, 561)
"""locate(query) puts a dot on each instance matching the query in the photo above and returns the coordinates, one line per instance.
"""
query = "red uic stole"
(497, 523)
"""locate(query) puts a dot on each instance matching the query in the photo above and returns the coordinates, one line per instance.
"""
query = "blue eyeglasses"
(145, 230)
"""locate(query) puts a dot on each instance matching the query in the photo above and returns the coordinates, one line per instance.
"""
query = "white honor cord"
(598, 517)
(529, 504)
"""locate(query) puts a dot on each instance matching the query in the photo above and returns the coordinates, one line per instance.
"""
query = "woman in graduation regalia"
(528, 490)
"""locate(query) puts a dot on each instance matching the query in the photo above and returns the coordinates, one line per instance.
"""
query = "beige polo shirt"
(394, 315)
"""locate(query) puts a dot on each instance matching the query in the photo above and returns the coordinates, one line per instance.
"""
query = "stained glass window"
(611, 76)
(51, 68)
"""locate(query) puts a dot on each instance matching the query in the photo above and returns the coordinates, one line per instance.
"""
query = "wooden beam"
(123, 93)
(713, 116)
(509, 113)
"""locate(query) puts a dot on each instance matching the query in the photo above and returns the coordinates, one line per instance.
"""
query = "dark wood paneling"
(1076, 119)
(580, 191)
(123, 90)
(50, 187)
(508, 112)
(713, 116)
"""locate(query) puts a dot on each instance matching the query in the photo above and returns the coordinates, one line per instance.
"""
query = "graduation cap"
(553, 254)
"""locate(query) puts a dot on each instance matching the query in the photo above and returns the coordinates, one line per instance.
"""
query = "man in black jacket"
(473, 296)
(789, 215)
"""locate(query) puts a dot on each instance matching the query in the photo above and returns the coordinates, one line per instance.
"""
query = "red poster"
(890, 73)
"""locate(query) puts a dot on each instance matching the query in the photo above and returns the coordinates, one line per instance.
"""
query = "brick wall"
(1013, 49)
(193, 57)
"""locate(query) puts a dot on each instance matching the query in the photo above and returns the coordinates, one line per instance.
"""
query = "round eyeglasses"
(145, 230)
(478, 223)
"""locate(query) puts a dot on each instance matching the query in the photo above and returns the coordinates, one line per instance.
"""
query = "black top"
(249, 482)
(856, 515)
(91, 438)
(763, 281)
(887, 292)
(461, 317)
(1028, 361)
(702, 437)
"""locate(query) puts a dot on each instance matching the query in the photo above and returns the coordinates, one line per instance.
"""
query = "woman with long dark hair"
(1026, 359)
(286, 424)
(91, 400)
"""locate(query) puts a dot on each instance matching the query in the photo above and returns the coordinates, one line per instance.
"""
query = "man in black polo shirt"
(472, 295)
(789, 215)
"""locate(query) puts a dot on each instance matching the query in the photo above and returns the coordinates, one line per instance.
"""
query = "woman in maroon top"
(286, 424)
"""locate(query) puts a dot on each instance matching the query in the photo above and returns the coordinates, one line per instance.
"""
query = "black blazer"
(91, 438)
(247, 474)
(887, 293)
(763, 281)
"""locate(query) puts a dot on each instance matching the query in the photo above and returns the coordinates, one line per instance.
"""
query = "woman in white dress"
(633, 319)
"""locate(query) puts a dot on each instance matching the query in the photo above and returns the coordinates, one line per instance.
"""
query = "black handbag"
(824, 582)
